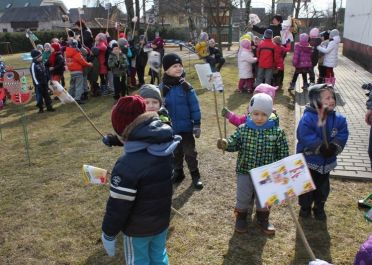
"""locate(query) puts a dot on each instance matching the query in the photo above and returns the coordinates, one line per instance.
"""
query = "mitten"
(196, 131)
(222, 144)
(109, 244)
(329, 151)
(226, 113)
(111, 140)
(319, 262)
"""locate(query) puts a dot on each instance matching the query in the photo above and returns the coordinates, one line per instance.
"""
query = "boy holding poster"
(322, 134)
(259, 142)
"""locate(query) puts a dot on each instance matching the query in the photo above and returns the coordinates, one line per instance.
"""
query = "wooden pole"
(108, 17)
(224, 120)
(81, 30)
(216, 110)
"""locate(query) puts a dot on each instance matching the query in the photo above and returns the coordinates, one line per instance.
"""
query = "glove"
(319, 262)
(222, 144)
(196, 131)
(109, 244)
(328, 152)
(225, 112)
(111, 140)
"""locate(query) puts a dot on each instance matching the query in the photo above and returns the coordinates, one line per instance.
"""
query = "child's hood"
(268, 125)
(160, 149)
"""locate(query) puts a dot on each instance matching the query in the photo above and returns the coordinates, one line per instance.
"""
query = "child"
(40, 80)
(140, 199)
(267, 57)
(101, 44)
(331, 55)
(314, 41)
(320, 153)
(118, 64)
(182, 103)
(46, 52)
(215, 58)
(152, 97)
(321, 68)
(301, 61)
(278, 75)
(245, 61)
(202, 46)
(141, 60)
(259, 142)
(56, 62)
(76, 63)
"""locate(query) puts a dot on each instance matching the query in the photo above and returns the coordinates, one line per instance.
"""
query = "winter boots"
(305, 212)
(262, 221)
(179, 176)
(319, 213)
(241, 225)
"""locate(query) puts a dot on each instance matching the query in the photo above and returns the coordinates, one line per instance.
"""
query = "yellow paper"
(94, 175)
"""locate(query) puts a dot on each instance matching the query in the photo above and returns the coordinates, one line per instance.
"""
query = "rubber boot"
(262, 218)
(319, 212)
(195, 175)
(241, 225)
(178, 176)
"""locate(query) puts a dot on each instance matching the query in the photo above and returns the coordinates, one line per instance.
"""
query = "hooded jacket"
(75, 60)
(331, 52)
(267, 54)
(309, 137)
(245, 61)
(141, 187)
(302, 55)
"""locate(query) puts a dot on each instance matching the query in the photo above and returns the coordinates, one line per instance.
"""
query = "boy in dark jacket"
(141, 188)
(182, 103)
(40, 80)
(141, 60)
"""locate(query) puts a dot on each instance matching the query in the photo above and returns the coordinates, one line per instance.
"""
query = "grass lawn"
(48, 216)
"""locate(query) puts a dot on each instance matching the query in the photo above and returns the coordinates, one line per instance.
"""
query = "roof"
(18, 3)
(173, 7)
(91, 13)
(33, 13)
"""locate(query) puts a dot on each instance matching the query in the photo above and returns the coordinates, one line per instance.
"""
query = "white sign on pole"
(287, 176)
(209, 80)
(154, 61)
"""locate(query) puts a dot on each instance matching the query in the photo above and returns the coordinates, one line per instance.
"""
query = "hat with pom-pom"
(261, 102)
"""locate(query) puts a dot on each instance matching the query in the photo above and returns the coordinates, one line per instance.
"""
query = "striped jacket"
(141, 188)
(257, 145)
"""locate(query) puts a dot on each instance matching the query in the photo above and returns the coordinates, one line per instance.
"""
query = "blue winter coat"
(309, 137)
(183, 108)
(141, 188)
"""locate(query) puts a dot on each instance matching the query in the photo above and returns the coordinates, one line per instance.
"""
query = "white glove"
(319, 262)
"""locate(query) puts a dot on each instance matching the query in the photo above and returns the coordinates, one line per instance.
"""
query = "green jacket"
(118, 64)
(257, 146)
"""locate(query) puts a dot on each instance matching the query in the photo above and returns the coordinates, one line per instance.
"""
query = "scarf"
(170, 81)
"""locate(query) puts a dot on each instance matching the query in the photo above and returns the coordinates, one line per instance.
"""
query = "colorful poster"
(289, 175)
(209, 80)
(154, 61)
(94, 175)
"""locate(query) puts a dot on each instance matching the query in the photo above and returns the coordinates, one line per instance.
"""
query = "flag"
(60, 92)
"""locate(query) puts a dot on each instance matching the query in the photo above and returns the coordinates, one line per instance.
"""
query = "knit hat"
(47, 45)
(261, 102)
(123, 43)
(171, 59)
(125, 111)
(245, 43)
(150, 91)
(73, 43)
(315, 91)
(364, 255)
(35, 54)
(268, 34)
(277, 40)
(56, 47)
(39, 47)
(279, 18)
(112, 42)
(314, 33)
(304, 38)
(334, 33)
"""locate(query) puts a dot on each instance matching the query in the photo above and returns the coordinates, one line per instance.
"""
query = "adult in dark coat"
(275, 26)
(88, 40)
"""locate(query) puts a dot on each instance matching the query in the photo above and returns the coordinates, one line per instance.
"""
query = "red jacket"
(102, 46)
(267, 54)
(75, 60)
(282, 50)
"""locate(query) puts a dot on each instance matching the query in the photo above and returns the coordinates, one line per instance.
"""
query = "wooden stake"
(86, 116)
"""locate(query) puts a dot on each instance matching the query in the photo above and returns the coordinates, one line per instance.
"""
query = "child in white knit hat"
(258, 142)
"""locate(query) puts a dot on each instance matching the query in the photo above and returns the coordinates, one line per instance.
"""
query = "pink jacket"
(302, 55)
(235, 119)
(102, 46)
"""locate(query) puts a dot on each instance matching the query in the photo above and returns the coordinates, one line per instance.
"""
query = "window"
(5, 30)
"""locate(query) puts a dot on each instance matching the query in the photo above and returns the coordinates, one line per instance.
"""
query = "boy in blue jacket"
(141, 187)
(320, 153)
(183, 106)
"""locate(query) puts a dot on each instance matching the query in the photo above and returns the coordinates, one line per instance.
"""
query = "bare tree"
(247, 12)
(272, 8)
(334, 14)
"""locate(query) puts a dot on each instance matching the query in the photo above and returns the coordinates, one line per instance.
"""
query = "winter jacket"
(38, 73)
(267, 55)
(59, 64)
(183, 108)
(75, 60)
(245, 61)
(118, 64)
(282, 50)
(102, 46)
(141, 188)
(302, 55)
(309, 137)
(88, 38)
(257, 145)
(141, 59)
(202, 49)
(331, 52)
(315, 42)
(275, 28)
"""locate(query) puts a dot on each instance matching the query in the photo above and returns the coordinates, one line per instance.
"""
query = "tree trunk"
(297, 8)
(247, 11)
(130, 13)
(144, 10)
(272, 8)
(334, 15)
(138, 16)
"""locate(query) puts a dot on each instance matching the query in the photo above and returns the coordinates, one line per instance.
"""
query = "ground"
(49, 216)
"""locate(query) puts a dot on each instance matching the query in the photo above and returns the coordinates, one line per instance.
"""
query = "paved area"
(353, 163)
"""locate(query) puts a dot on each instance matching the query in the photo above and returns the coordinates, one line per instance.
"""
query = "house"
(5, 5)
(36, 18)
(357, 36)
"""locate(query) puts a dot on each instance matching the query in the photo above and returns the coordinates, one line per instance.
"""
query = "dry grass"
(48, 216)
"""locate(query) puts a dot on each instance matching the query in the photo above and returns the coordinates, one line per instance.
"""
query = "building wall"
(5, 27)
(358, 32)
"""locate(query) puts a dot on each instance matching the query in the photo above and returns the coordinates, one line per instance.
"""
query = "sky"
(320, 4)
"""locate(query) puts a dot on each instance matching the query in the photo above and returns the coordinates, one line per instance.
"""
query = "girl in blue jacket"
(183, 106)
(321, 154)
